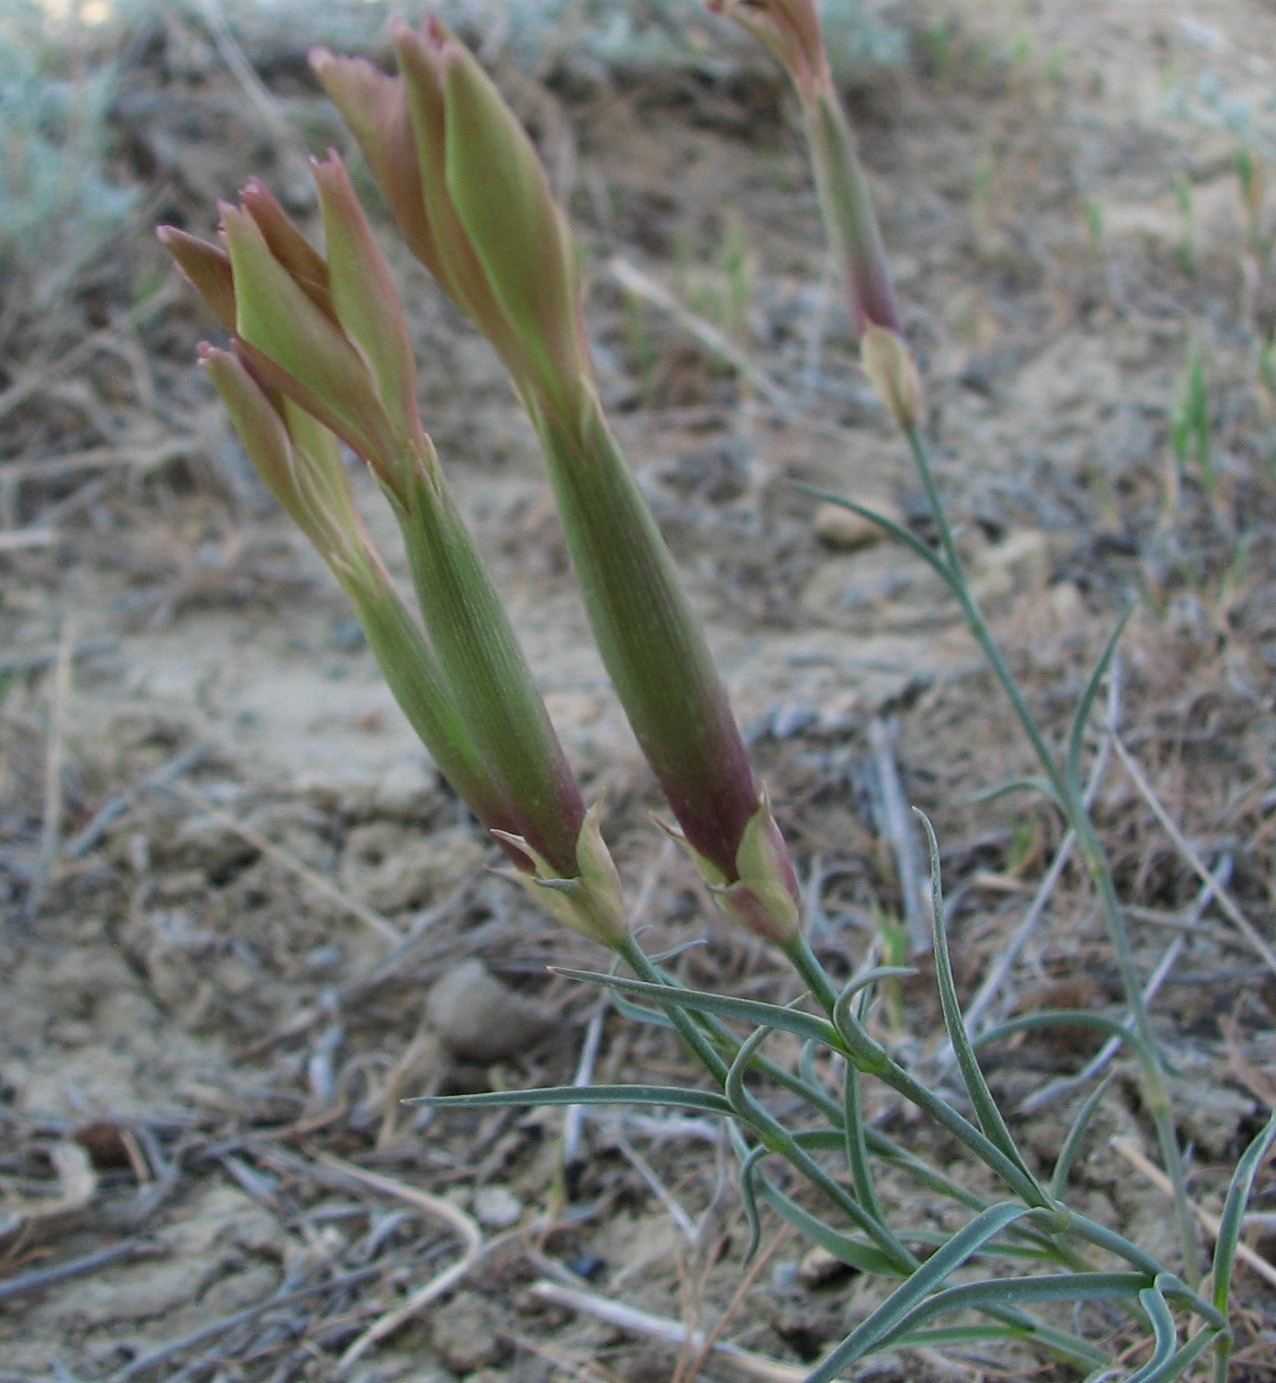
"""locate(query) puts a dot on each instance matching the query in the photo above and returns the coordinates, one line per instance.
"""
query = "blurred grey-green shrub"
(607, 36)
(1209, 103)
(650, 34)
(57, 209)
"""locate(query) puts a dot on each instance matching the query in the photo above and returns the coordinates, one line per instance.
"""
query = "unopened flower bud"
(465, 185)
(791, 30)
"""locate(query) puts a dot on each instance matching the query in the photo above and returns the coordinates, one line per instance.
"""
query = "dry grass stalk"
(372, 919)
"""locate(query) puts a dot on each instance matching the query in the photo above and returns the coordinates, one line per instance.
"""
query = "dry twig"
(1133, 1154)
(665, 1328)
(1185, 848)
(459, 1221)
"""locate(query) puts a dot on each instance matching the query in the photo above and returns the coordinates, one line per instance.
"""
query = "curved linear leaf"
(1024, 1291)
(869, 1333)
(746, 1010)
(981, 1097)
(1061, 1017)
(897, 531)
(706, 1101)
(1076, 1136)
(853, 1252)
(1165, 1333)
(1081, 718)
(1229, 1227)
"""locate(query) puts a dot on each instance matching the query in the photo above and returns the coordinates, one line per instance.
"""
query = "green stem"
(874, 1060)
(960, 587)
(1092, 853)
(808, 966)
(778, 1137)
(690, 1032)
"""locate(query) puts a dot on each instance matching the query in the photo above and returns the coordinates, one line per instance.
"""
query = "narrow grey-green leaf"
(896, 531)
(981, 1097)
(1002, 1291)
(706, 1101)
(1165, 1334)
(1229, 1228)
(853, 1252)
(1081, 718)
(868, 1334)
(749, 1199)
(750, 1011)
(1076, 1136)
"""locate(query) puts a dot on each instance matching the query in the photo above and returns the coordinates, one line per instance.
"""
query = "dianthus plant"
(318, 357)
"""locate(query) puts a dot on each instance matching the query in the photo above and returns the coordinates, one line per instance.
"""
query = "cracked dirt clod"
(465, 1332)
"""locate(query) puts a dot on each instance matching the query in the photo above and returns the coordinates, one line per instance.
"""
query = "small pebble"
(480, 1019)
(820, 1267)
(465, 1333)
(845, 530)
(496, 1207)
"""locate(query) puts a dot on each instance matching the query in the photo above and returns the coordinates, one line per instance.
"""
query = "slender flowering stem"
(1071, 801)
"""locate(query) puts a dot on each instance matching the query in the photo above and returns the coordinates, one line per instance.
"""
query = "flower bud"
(476, 207)
(301, 464)
(791, 29)
(761, 892)
(321, 350)
(299, 346)
(472, 200)
(365, 301)
(206, 268)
